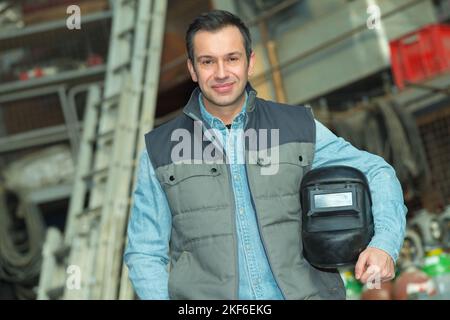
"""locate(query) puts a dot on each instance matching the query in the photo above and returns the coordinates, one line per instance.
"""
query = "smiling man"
(220, 73)
(225, 230)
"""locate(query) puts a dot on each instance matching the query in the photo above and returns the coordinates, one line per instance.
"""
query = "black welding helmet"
(337, 222)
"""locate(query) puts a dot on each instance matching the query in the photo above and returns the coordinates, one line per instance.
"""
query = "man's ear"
(251, 64)
(192, 70)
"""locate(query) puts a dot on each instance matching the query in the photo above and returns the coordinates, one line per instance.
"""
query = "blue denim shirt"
(147, 252)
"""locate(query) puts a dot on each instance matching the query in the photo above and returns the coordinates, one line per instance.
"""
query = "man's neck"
(226, 114)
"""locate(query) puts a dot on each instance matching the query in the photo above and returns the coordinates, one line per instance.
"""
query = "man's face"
(220, 67)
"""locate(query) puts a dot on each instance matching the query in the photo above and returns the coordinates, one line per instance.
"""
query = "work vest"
(203, 242)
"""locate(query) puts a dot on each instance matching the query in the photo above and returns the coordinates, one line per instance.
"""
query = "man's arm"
(149, 229)
(388, 209)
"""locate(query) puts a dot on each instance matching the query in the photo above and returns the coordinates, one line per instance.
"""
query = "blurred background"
(79, 86)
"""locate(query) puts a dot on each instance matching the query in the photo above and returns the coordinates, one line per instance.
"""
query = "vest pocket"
(177, 173)
(191, 187)
(177, 275)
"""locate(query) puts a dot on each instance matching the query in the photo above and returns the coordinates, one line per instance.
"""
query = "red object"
(94, 60)
(421, 54)
(411, 283)
(24, 76)
(38, 72)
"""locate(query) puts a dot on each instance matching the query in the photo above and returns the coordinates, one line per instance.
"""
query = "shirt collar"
(215, 122)
(192, 107)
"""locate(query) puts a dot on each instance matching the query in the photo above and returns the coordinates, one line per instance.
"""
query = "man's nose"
(221, 70)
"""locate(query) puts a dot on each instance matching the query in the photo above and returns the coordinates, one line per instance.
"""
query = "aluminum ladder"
(90, 253)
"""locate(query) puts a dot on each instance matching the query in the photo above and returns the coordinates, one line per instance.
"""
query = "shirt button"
(241, 211)
(236, 177)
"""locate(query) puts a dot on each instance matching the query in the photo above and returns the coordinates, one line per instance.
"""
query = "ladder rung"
(127, 2)
(99, 172)
(108, 136)
(90, 184)
(125, 31)
(55, 293)
(112, 98)
(118, 67)
(89, 210)
(62, 252)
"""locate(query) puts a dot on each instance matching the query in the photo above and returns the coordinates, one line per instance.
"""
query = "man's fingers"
(374, 265)
(387, 274)
(372, 274)
(360, 266)
(365, 276)
(388, 271)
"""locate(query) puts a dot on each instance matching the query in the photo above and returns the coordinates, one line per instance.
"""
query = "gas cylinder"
(413, 284)
(437, 266)
(353, 287)
(384, 292)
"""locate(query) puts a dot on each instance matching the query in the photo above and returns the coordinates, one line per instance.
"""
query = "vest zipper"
(232, 195)
(261, 234)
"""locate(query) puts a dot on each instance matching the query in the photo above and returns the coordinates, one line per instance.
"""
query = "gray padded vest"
(203, 247)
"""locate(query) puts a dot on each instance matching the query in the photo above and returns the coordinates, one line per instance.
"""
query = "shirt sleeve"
(146, 254)
(388, 208)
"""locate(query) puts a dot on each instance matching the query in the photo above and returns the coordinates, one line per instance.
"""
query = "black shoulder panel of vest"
(158, 140)
(296, 123)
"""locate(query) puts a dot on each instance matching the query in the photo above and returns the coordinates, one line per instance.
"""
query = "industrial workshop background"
(75, 103)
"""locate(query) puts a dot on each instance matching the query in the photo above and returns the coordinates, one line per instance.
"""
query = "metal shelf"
(14, 37)
(50, 193)
(41, 35)
(34, 138)
(66, 77)
(415, 98)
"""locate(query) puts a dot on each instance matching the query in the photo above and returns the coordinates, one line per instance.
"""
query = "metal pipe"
(269, 45)
(71, 120)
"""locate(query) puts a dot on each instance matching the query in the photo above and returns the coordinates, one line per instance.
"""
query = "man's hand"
(378, 261)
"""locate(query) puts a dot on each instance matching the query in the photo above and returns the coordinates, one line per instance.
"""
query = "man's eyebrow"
(234, 53)
(205, 57)
(227, 55)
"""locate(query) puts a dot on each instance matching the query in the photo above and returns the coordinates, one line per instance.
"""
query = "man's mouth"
(223, 88)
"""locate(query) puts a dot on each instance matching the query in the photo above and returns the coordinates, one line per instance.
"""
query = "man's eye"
(233, 59)
(206, 62)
